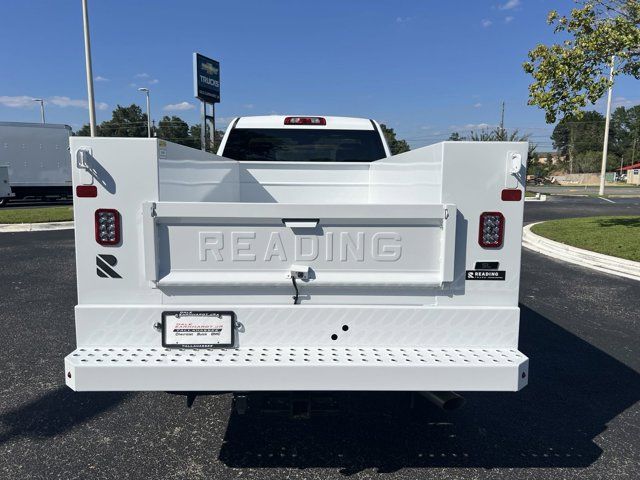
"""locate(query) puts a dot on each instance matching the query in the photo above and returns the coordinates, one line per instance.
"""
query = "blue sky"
(426, 68)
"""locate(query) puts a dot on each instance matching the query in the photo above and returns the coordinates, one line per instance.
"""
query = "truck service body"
(37, 159)
(302, 257)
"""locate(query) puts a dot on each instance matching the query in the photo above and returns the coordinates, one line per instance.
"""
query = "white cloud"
(71, 102)
(509, 19)
(21, 101)
(101, 79)
(477, 105)
(24, 101)
(172, 107)
(425, 127)
(248, 106)
(403, 19)
(622, 102)
(510, 5)
(143, 79)
(472, 126)
(486, 23)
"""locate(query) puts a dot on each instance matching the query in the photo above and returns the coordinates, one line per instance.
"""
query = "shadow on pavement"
(55, 413)
(575, 390)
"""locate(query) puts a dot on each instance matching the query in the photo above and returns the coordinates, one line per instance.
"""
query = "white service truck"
(36, 157)
(302, 257)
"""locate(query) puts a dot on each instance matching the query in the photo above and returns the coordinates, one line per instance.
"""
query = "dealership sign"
(206, 79)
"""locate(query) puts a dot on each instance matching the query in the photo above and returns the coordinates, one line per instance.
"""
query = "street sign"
(206, 79)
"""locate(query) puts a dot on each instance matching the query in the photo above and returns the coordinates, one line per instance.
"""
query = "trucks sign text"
(206, 78)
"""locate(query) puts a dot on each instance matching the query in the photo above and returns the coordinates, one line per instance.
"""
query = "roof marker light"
(305, 121)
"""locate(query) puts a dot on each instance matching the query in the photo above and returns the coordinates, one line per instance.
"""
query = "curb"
(584, 258)
(538, 198)
(34, 227)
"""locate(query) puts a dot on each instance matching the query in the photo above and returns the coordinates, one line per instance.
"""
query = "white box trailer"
(37, 159)
(202, 273)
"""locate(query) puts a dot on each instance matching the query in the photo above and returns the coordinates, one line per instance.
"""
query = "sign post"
(206, 88)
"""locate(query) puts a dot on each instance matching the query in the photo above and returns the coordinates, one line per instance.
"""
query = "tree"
(84, 131)
(538, 168)
(569, 75)
(625, 122)
(498, 134)
(591, 161)
(175, 130)
(577, 135)
(395, 145)
(194, 133)
(125, 122)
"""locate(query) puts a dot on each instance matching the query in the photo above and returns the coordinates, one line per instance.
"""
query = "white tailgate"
(202, 244)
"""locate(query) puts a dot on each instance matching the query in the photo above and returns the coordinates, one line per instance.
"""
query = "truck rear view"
(198, 272)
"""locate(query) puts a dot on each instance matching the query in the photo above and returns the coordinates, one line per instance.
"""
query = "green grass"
(616, 236)
(36, 215)
(527, 193)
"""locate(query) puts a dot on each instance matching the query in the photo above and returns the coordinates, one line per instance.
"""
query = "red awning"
(632, 167)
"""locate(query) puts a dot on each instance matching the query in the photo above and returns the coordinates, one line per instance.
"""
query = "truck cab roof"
(278, 121)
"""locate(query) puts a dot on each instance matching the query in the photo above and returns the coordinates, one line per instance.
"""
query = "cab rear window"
(303, 145)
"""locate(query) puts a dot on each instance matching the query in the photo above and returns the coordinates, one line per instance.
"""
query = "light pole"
(87, 61)
(605, 146)
(41, 100)
(146, 91)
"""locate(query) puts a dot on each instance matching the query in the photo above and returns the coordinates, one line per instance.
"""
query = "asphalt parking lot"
(578, 418)
(621, 189)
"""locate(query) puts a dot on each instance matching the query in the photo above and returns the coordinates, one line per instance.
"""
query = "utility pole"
(605, 146)
(213, 128)
(571, 140)
(87, 61)
(203, 128)
(502, 134)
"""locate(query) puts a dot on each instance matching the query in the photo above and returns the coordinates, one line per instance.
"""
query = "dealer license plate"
(197, 329)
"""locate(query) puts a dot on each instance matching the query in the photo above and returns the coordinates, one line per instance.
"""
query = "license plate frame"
(219, 325)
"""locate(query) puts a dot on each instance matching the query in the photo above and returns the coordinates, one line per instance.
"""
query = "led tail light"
(305, 121)
(491, 231)
(107, 223)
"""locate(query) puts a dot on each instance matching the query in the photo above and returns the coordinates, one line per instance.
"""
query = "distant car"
(537, 181)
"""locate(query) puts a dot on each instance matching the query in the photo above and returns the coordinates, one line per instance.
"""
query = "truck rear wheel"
(3, 201)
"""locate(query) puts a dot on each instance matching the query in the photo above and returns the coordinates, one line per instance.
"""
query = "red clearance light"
(491, 231)
(107, 225)
(511, 195)
(305, 121)
(86, 191)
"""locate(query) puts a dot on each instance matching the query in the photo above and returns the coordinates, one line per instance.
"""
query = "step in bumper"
(105, 368)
